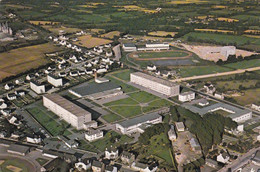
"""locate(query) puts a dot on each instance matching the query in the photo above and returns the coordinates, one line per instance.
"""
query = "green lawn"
(202, 70)
(127, 111)
(244, 64)
(111, 118)
(47, 121)
(124, 75)
(162, 54)
(126, 101)
(143, 97)
(109, 139)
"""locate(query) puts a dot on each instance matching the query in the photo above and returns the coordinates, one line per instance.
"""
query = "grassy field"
(111, 118)
(57, 29)
(202, 70)
(244, 64)
(162, 54)
(110, 35)
(162, 33)
(188, 1)
(143, 97)
(22, 59)
(124, 75)
(109, 139)
(234, 85)
(47, 120)
(126, 101)
(251, 96)
(13, 165)
(125, 87)
(214, 30)
(89, 41)
(43, 22)
(222, 38)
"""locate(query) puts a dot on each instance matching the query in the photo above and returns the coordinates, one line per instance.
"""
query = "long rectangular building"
(70, 112)
(156, 84)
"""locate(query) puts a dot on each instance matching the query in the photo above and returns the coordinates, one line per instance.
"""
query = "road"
(216, 74)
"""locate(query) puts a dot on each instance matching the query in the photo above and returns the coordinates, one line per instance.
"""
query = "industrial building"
(95, 91)
(236, 114)
(154, 47)
(54, 80)
(70, 112)
(37, 87)
(129, 47)
(134, 125)
(156, 84)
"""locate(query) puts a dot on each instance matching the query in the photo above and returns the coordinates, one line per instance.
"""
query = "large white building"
(92, 135)
(133, 125)
(37, 87)
(156, 84)
(70, 112)
(129, 47)
(54, 80)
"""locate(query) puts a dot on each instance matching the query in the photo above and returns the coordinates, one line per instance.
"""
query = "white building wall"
(55, 82)
(158, 87)
(75, 121)
(38, 89)
(243, 118)
(186, 97)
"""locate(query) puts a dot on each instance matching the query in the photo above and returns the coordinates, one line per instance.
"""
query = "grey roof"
(257, 156)
(97, 164)
(202, 111)
(187, 93)
(35, 82)
(211, 161)
(18, 148)
(141, 165)
(127, 154)
(139, 120)
(155, 79)
(194, 143)
(92, 132)
(123, 169)
(66, 104)
(93, 88)
(129, 45)
(54, 76)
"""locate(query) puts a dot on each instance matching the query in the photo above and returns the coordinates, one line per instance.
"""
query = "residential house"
(187, 96)
(111, 153)
(180, 126)
(97, 166)
(127, 157)
(143, 167)
(92, 134)
(223, 158)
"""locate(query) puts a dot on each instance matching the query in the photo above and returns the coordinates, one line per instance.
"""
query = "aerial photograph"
(129, 85)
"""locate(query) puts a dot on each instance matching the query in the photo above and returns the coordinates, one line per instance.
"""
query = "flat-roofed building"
(156, 84)
(129, 47)
(70, 112)
(132, 125)
(92, 135)
(54, 80)
(186, 96)
(37, 87)
(179, 126)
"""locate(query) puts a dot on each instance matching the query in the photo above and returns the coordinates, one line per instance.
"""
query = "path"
(217, 74)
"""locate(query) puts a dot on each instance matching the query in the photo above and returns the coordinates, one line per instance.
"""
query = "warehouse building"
(154, 47)
(70, 112)
(236, 114)
(129, 47)
(135, 124)
(156, 84)
(37, 87)
(54, 80)
(96, 91)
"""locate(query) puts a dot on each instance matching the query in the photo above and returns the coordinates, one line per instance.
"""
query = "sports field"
(22, 59)
(90, 42)
(162, 55)
(11, 164)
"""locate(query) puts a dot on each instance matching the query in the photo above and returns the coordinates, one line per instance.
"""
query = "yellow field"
(135, 8)
(187, 1)
(214, 30)
(96, 30)
(22, 59)
(18, 6)
(162, 33)
(43, 22)
(111, 35)
(253, 36)
(251, 96)
(219, 6)
(227, 19)
(253, 31)
(2, 161)
(56, 30)
(82, 11)
(90, 42)
(91, 5)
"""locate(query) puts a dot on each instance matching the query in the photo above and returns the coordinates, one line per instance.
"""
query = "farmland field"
(89, 41)
(251, 96)
(221, 38)
(23, 59)
(161, 33)
(56, 29)
(111, 35)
